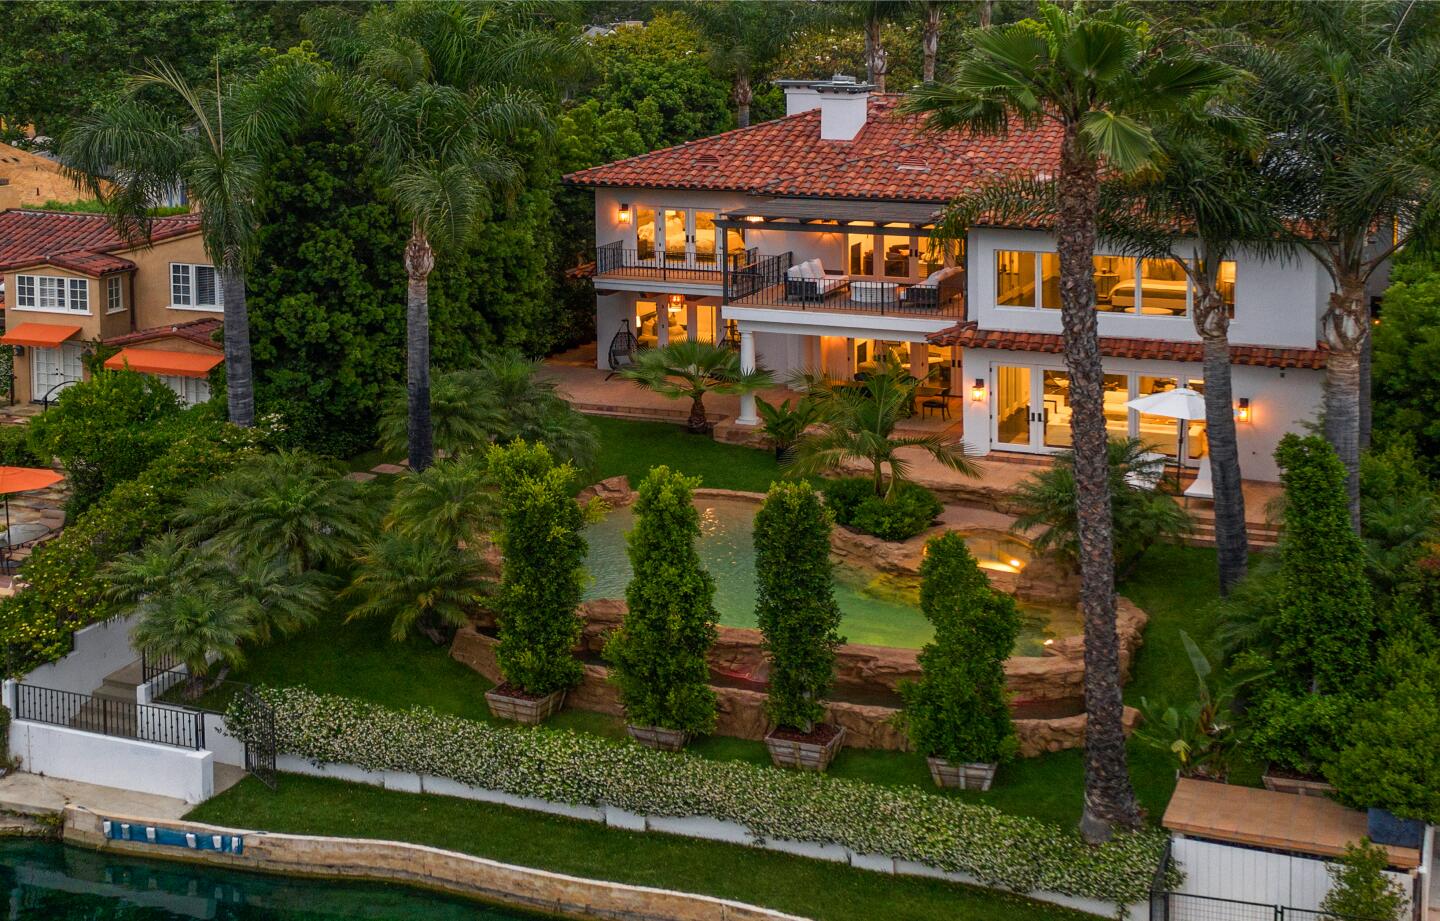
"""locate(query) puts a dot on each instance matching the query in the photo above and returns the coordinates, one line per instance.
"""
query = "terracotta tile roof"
(892, 159)
(78, 242)
(200, 331)
(969, 335)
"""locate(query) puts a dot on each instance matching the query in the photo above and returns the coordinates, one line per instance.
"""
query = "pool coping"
(418, 865)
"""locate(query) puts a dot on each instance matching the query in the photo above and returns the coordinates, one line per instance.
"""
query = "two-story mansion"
(805, 242)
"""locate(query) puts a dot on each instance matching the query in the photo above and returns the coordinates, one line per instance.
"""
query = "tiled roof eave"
(969, 335)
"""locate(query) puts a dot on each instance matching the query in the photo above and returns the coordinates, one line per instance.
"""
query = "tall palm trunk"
(1109, 798)
(875, 63)
(1347, 327)
(419, 261)
(743, 94)
(699, 421)
(987, 9)
(239, 379)
(930, 42)
(1212, 322)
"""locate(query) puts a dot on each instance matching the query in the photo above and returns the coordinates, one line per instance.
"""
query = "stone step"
(95, 716)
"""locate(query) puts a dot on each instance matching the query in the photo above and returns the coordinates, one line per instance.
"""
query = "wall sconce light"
(623, 216)
(977, 392)
(1242, 410)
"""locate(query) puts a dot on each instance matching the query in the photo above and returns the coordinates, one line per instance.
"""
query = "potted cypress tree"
(541, 583)
(657, 655)
(799, 619)
(957, 713)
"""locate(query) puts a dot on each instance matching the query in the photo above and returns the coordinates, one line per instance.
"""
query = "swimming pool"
(879, 609)
(46, 881)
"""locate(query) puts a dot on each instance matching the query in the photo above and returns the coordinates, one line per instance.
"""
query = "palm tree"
(744, 40)
(1351, 98)
(693, 369)
(858, 424)
(287, 506)
(194, 625)
(217, 155)
(1102, 78)
(133, 578)
(502, 398)
(872, 16)
(270, 597)
(438, 91)
(449, 504)
(416, 584)
(930, 38)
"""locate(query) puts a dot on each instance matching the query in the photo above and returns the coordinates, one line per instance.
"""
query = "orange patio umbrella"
(23, 479)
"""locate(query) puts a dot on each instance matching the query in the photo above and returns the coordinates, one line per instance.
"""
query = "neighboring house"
(72, 284)
(805, 243)
(29, 179)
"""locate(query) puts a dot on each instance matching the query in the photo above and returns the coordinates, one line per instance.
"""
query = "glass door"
(703, 239)
(677, 235)
(1016, 423)
(646, 234)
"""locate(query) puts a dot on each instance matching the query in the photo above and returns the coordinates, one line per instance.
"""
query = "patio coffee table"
(874, 292)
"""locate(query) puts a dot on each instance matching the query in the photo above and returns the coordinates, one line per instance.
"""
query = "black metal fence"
(756, 275)
(153, 666)
(617, 259)
(1187, 906)
(180, 727)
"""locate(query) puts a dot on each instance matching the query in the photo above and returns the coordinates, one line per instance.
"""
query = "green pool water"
(878, 609)
(45, 881)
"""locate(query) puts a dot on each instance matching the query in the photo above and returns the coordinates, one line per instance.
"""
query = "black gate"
(260, 738)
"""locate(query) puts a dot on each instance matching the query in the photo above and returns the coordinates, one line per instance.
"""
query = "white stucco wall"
(126, 764)
(1277, 303)
(99, 650)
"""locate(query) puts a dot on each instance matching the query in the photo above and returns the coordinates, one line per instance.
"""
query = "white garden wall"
(99, 650)
(127, 764)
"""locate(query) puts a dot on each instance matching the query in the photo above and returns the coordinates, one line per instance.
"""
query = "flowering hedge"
(1002, 850)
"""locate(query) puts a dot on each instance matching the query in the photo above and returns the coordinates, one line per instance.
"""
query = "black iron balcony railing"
(616, 260)
(768, 282)
(182, 728)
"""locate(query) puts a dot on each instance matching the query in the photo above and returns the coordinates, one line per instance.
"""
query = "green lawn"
(632, 448)
(811, 888)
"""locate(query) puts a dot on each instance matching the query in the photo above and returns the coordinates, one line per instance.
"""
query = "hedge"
(1001, 850)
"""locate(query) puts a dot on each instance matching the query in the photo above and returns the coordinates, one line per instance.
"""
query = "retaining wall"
(99, 650)
(704, 827)
(305, 855)
(109, 761)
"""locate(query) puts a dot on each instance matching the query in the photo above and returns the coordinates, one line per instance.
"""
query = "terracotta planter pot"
(807, 754)
(966, 776)
(1301, 786)
(527, 710)
(665, 740)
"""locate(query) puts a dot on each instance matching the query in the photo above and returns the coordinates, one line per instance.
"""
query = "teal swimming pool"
(46, 881)
(878, 609)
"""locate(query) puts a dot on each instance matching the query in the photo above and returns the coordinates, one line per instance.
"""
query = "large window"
(1148, 287)
(194, 287)
(52, 293)
(861, 250)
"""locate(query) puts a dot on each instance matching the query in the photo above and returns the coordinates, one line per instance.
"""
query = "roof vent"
(707, 159)
(912, 164)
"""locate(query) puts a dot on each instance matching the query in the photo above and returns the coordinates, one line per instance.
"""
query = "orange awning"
(21, 479)
(164, 362)
(41, 335)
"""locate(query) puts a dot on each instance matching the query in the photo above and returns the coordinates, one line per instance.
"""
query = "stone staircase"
(107, 710)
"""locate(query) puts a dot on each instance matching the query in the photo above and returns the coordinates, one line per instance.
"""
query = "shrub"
(106, 430)
(998, 849)
(1296, 731)
(958, 709)
(796, 609)
(15, 444)
(908, 510)
(541, 580)
(4, 734)
(1406, 368)
(1390, 759)
(417, 584)
(1142, 517)
(1325, 622)
(1359, 887)
(784, 424)
(658, 652)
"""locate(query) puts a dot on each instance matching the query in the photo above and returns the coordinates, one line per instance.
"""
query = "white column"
(747, 363)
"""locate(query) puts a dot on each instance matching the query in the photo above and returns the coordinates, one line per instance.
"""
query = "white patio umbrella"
(1189, 405)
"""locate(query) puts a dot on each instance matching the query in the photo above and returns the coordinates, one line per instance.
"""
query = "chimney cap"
(838, 83)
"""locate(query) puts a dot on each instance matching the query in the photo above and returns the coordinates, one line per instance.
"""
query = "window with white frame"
(1123, 284)
(114, 298)
(190, 390)
(194, 287)
(52, 293)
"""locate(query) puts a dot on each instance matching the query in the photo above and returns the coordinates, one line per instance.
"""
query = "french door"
(51, 367)
(689, 236)
(1030, 412)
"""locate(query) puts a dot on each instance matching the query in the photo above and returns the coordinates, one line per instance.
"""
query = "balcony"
(614, 261)
(762, 281)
